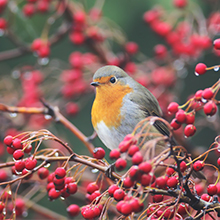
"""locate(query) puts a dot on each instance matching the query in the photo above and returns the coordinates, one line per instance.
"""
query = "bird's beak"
(95, 84)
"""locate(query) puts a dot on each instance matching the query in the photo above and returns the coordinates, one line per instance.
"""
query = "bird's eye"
(112, 80)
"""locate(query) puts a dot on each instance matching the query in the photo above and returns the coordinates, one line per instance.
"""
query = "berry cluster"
(33, 7)
(41, 48)
(59, 185)
(201, 100)
(180, 37)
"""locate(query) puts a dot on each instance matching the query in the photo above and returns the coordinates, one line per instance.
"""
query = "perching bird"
(120, 104)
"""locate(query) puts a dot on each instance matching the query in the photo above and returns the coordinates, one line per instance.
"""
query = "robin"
(120, 104)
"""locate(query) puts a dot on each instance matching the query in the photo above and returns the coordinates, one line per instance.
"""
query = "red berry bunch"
(177, 36)
(91, 211)
(59, 185)
(203, 99)
(41, 48)
(33, 7)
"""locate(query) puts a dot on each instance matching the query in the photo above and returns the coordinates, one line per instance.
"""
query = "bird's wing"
(149, 105)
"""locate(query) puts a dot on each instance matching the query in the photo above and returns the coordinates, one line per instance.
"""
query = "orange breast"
(107, 104)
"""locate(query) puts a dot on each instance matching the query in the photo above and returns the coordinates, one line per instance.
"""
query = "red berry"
(8, 140)
(170, 171)
(210, 108)
(180, 3)
(137, 206)
(43, 173)
(42, 6)
(132, 150)
(172, 182)
(190, 118)
(146, 179)
(161, 182)
(183, 208)
(183, 166)
(124, 146)
(158, 198)
(112, 189)
(173, 108)
(87, 212)
(119, 194)
(198, 165)
(151, 16)
(137, 158)
(94, 195)
(168, 214)
(60, 172)
(145, 167)
(217, 44)
(189, 130)
(200, 69)
(127, 183)
(59, 182)
(19, 165)
(99, 153)
(17, 143)
(205, 197)
(198, 95)
(130, 138)
(134, 173)
(77, 37)
(28, 9)
(30, 163)
(25, 172)
(181, 116)
(120, 164)
(207, 93)
(79, 17)
(92, 187)
(73, 210)
(50, 185)
(44, 51)
(50, 177)
(27, 149)
(72, 188)
(126, 208)
(160, 51)
(172, 38)
(114, 154)
(3, 3)
(212, 189)
(199, 189)
(18, 154)
(3, 175)
(130, 68)
(161, 28)
(69, 180)
(131, 48)
(36, 44)
(10, 150)
(96, 211)
(175, 124)
(119, 205)
(53, 194)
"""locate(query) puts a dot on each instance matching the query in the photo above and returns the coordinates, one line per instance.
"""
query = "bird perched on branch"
(120, 104)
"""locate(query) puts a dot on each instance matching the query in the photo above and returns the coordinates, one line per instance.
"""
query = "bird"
(120, 104)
